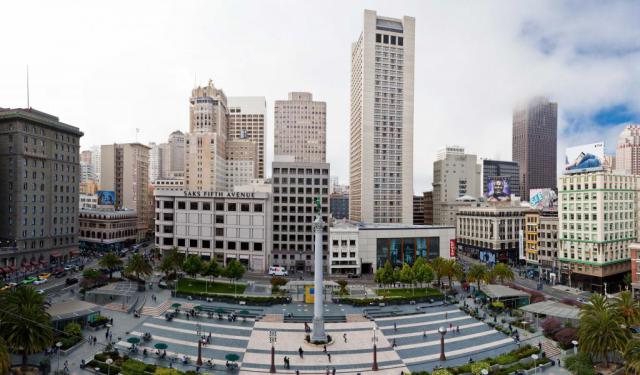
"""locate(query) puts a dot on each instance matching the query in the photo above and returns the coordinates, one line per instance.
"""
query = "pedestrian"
(344, 336)
(446, 316)
(329, 356)
(324, 348)
(297, 372)
(450, 325)
(457, 329)
(333, 371)
(106, 334)
(395, 326)
(301, 352)
(285, 361)
(327, 372)
(540, 345)
(424, 335)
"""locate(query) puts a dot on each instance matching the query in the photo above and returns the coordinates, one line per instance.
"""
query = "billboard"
(452, 248)
(106, 198)
(498, 190)
(584, 158)
(543, 199)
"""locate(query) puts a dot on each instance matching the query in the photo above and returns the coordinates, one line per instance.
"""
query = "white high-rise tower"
(381, 170)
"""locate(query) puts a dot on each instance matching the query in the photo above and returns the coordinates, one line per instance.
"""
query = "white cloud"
(112, 67)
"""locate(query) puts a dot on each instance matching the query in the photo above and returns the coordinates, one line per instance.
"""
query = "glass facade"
(406, 250)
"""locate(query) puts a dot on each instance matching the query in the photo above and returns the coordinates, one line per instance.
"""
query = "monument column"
(318, 334)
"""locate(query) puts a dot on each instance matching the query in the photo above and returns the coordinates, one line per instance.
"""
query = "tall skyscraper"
(155, 161)
(39, 180)
(205, 157)
(86, 167)
(534, 144)
(125, 170)
(456, 177)
(95, 162)
(381, 170)
(248, 122)
(300, 128)
(628, 150)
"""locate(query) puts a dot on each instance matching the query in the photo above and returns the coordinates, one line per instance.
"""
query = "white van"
(277, 271)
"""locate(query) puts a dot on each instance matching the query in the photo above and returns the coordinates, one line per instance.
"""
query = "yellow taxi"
(44, 276)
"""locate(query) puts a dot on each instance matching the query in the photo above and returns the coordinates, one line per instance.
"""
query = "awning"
(75, 252)
(42, 261)
(12, 268)
(34, 262)
(56, 254)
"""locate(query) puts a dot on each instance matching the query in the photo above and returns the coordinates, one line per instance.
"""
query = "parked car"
(278, 271)
(68, 268)
(39, 281)
(71, 281)
(60, 274)
(40, 291)
(45, 275)
(29, 280)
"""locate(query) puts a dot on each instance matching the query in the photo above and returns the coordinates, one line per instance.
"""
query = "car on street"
(39, 281)
(60, 274)
(71, 281)
(68, 268)
(40, 291)
(278, 271)
(29, 280)
(45, 275)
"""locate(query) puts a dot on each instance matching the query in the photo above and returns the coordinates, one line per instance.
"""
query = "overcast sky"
(109, 67)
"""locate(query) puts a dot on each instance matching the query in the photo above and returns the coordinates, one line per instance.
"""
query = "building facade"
(88, 201)
(456, 180)
(248, 121)
(598, 221)
(627, 157)
(428, 207)
(296, 186)
(125, 171)
(534, 144)
(216, 225)
(491, 233)
(503, 170)
(339, 206)
(301, 128)
(104, 230)
(242, 162)
(418, 210)
(381, 147)
(357, 248)
(40, 170)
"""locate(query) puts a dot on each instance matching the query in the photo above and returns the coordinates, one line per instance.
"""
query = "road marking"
(475, 348)
(415, 315)
(204, 324)
(451, 339)
(180, 330)
(413, 334)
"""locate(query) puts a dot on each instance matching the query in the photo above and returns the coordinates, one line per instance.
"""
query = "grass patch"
(187, 285)
(408, 293)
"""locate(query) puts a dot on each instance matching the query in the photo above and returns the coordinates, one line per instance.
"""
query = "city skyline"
(553, 42)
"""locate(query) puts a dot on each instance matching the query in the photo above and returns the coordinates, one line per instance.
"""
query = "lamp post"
(575, 346)
(442, 331)
(535, 367)
(273, 337)
(374, 367)
(58, 345)
(109, 361)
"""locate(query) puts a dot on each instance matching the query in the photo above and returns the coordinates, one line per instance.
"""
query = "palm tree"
(503, 272)
(477, 273)
(138, 266)
(24, 322)
(632, 356)
(111, 262)
(5, 359)
(601, 331)
(627, 308)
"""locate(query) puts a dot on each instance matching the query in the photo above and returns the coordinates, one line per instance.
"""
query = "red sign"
(452, 248)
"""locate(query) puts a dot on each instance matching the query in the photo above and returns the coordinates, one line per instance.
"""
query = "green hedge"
(359, 302)
(252, 300)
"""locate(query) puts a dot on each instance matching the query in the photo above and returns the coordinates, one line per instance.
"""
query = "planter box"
(71, 349)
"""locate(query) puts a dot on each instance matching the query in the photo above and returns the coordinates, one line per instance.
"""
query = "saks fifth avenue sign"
(218, 194)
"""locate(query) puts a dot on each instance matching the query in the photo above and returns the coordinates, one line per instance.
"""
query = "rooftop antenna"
(28, 104)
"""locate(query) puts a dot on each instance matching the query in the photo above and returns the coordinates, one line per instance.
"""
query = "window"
(231, 206)
(206, 244)
(219, 206)
(244, 207)
(400, 41)
(220, 232)
(182, 205)
(385, 38)
(168, 204)
(352, 242)
(378, 38)
(206, 206)
(167, 217)
(257, 207)
(181, 241)
(257, 246)
(219, 244)
(219, 219)
(193, 243)
(335, 242)
(193, 205)
(231, 245)
(244, 246)
(167, 241)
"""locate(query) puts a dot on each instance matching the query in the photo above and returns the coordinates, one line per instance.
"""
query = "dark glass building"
(339, 206)
(406, 250)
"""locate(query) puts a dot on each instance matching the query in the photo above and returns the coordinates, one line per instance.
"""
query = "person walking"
(344, 336)
(395, 327)
(333, 371)
(324, 349)
(329, 356)
(301, 352)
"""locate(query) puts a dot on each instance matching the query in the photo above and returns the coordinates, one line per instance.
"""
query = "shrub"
(133, 367)
(278, 281)
(579, 364)
(506, 359)
(565, 336)
(477, 367)
(73, 329)
(441, 371)
(550, 326)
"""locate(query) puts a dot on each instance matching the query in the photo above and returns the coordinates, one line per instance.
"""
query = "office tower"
(39, 178)
(428, 207)
(125, 171)
(205, 155)
(535, 131)
(248, 121)
(418, 210)
(95, 162)
(155, 161)
(381, 160)
(173, 160)
(242, 162)
(500, 170)
(86, 156)
(598, 219)
(296, 185)
(86, 168)
(300, 128)
(339, 205)
(456, 182)
(627, 157)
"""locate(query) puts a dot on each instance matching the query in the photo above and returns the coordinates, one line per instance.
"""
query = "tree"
(477, 273)
(111, 262)
(579, 364)
(600, 329)
(551, 325)
(24, 322)
(211, 269)
(503, 272)
(193, 265)
(632, 356)
(234, 271)
(168, 266)
(138, 266)
(5, 358)
(439, 265)
(384, 275)
(407, 276)
(627, 308)
(343, 287)
(422, 271)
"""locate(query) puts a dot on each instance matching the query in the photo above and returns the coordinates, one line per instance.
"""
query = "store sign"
(218, 194)
(452, 248)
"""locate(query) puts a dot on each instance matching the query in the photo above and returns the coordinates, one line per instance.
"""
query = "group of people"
(92, 340)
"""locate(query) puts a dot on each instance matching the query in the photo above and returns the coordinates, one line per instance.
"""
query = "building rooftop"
(121, 214)
(30, 114)
(347, 225)
(496, 291)
(71, 309)
(553, 308)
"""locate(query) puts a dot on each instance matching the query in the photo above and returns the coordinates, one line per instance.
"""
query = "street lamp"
(442, 331)
(535, 366)
(109, 361)
(58, 345)
(273, 338)
(575, 346)
(374, 367)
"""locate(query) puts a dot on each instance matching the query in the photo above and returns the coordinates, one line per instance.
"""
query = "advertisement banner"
(521, 245)
(584, 158)
(543, 199)
(106, 198)
(498, 190)
(452, 248)
(308, 294)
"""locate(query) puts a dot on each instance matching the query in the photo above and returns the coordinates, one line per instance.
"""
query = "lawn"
(407, 293)
(187, 285)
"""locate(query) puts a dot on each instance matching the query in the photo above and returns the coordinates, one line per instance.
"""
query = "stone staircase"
(550, 348)
(156, 310)
(116, 306)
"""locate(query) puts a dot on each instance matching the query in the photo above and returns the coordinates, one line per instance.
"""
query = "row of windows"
(389, 39)
(206, 206)
(206, 244)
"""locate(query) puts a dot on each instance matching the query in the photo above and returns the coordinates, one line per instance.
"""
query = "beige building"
(205, 148)
(381, 161)
(125, 170)
(248, 121)
(456, 180)
(107, 230)
(300, 128)
(541, 242)
(242, 162)
(627, 157)
(598, 219)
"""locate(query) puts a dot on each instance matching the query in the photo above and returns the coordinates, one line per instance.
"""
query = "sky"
(111, 67)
